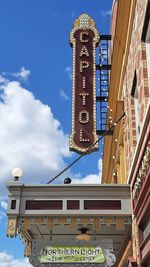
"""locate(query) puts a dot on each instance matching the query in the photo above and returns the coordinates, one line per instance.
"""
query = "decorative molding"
(12, 227)
(141, 173)
(72, 222)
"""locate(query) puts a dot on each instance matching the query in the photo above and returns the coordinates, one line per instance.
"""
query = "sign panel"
(98, 253)
(84, 38)
(71, 254)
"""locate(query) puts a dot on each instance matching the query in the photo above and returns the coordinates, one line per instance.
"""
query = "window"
(102, 204)
(13, 204)
(72, 204)
(134, 94)
(146, 228)
(144, 233)
(44, 205)
(146, 39)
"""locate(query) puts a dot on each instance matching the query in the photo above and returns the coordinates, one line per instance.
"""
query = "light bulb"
(16, 173)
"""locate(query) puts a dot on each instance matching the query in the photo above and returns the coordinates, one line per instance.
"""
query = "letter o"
(83, 116)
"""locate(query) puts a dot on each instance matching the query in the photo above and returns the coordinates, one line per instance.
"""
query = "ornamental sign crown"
(84, 38)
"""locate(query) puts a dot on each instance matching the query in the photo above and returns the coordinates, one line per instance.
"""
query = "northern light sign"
(56, 253)
(84, 38)
(72, 254)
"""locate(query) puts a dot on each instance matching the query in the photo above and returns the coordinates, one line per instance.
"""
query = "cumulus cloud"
(63, 95)
(3, 204)
(2, 79)
(90, 178)
(106, 13)
(7, 260)
(68, 71)
(30, 137)
(23, 74)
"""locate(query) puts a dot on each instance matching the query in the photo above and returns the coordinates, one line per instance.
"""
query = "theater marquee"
(84, 38)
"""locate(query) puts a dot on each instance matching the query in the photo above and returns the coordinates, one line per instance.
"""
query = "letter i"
(83, 83)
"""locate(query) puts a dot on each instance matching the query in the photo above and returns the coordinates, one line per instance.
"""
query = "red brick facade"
(129, 82)
(136, 63)
(137, 147)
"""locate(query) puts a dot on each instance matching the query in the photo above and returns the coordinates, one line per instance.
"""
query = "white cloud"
(3, 204)
(30, 137)
(2, 216)
(106, 13)
(2, 79)
(7, 260)
(22, 74)
(68, 71)
(90, 178)
(100, 167)
(63, 94)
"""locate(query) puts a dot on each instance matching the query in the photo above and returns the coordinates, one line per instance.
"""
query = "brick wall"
(136, 62)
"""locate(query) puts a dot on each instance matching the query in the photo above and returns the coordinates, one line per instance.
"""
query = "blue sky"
(35, 96)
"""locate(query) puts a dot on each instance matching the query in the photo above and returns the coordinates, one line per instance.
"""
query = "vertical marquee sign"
(84, 38)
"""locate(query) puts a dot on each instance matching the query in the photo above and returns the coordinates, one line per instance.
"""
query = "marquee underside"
(103, 209)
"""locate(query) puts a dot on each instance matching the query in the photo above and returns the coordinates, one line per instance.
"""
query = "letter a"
(84, 51)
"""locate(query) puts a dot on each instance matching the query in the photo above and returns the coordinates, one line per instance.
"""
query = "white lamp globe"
(16, 173)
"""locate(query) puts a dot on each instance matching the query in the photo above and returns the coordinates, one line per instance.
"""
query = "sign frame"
(106, 245)
(81, 139)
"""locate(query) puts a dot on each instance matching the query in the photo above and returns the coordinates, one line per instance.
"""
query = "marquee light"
(84, 38)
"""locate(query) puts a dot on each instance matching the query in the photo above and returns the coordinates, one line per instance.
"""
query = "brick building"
(54, 214)
(127, 152)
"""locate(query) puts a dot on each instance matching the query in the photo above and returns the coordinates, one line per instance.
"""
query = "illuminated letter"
(84, 98)
(84, 65)
(81, 37)
(84, 51)
(83, 83)
(83, 116)
(82, 139)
